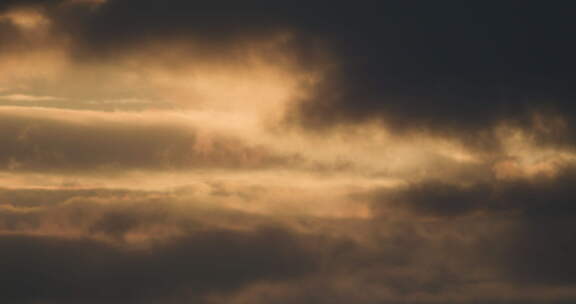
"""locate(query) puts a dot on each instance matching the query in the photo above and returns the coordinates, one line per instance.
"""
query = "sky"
(278, 152)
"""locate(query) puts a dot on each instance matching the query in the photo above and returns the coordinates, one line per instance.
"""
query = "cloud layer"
(177, 152)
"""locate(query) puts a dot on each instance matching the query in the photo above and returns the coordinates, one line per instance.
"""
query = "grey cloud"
(537, 246)
(390, 258)
(450, 70)
(53, 270)
(33, 142)
(416, 67)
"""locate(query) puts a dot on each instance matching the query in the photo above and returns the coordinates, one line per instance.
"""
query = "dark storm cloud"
(441, 199)
(391, 257)
(537, 247)
(400, 258)
(219, 27)
(449, 68)
(541, 196)
(11, 3)
(454, 69)
(53, 270)
(48, 269)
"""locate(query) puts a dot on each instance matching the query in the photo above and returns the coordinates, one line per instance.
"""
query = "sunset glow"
(161, 152)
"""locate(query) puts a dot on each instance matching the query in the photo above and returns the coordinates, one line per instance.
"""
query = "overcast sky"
(262, 152)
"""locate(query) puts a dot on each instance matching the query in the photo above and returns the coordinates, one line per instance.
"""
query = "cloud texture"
(295, 152)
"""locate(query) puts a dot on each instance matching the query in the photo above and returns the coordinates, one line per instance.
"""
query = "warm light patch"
(524, 157)
(26, 18)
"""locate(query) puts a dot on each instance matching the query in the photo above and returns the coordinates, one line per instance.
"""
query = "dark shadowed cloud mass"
(258, 152)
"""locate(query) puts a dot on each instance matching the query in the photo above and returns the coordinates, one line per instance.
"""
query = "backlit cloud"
(256, 152)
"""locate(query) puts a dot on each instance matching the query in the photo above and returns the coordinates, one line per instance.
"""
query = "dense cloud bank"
(167, 246)
(539, 245)
(294, 152)
(69, 271)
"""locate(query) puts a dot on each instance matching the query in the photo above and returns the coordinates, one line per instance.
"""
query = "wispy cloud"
(30, 98)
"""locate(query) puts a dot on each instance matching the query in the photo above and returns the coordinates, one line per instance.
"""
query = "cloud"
(64, 140)
(158, 234)
(165, 247)
(23, 97)
(92, 3)
(535, 249)
(538, 196)
(26, 19)
(60, 270)
(393, 153)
